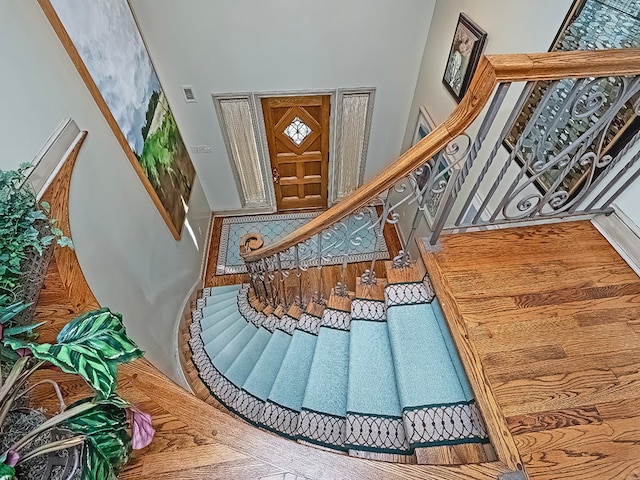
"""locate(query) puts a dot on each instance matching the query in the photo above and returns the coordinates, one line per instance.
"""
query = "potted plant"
(105, 426)
(27, 236)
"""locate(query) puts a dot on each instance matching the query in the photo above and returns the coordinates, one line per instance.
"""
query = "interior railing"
(566, 155)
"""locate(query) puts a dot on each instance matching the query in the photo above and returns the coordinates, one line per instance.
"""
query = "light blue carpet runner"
(383, 377)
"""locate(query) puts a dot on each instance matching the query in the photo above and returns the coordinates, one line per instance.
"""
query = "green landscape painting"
(107, 39)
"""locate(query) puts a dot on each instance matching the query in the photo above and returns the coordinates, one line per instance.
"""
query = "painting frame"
(466, 49)
(625, 130)
(440, 162)
(163, 165)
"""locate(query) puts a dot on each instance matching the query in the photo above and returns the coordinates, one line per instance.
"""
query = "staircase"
(369, 374)
(375, 372)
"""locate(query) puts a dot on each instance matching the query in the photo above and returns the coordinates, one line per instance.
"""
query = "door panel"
(298, 137)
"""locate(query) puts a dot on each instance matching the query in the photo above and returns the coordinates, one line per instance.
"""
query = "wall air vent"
(189, 95)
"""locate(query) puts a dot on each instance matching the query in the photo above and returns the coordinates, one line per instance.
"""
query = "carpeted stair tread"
(212, 314)
(326, 390)
(226, 356)
(213, 291)
(224, 298)
(216, 344)
(219, 326)
(242, 366)
(290, 383)
(261, 378)
(453, 351)
(416, 340)
(372, 380)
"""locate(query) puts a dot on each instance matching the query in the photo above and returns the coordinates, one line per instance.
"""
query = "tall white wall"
(129, 257)
(281, 45)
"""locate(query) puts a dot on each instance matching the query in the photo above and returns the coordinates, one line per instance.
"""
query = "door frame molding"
(257, 119)
(262, 131)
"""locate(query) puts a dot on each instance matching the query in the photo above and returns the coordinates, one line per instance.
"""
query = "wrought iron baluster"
(299, 275)
(281, 280)
(524, 96)
(319, 297)
(612, 198)
(471, 156)
(341, 288)
(254, 280)
(268, 283)
(540, 109)
(368, 277)
(584, 153)
(604, 174)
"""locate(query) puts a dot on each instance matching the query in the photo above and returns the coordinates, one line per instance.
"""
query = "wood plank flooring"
(553, 313)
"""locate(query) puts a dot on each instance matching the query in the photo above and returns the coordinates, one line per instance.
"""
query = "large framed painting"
(466, 48)
(589, 25)
(103, 41)
(439, 165)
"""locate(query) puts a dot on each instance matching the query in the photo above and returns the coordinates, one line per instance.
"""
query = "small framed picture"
(439, 166)
(466, 48)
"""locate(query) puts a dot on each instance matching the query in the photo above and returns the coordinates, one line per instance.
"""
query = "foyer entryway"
(297, 131)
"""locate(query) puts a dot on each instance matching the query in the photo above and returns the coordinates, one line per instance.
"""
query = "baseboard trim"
(185, 312)
(623, 235)
(238, 212)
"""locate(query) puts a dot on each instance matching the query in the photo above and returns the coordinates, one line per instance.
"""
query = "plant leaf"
(108, 445)
(95, 466)
(142, 430)
(103, 331)
(23, 329)
(9, 311)
(6, 472)
(92, 346)
(105, 416)
(76, 359)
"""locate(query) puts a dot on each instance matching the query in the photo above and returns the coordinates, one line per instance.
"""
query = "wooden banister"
(492, 70)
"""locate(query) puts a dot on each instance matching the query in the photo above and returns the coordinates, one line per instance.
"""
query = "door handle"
(276, 175)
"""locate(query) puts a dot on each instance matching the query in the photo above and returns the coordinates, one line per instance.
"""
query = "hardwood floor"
(553, 312)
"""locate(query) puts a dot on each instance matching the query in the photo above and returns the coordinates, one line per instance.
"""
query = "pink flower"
(23, 352)
(12, 458)
(142, 431)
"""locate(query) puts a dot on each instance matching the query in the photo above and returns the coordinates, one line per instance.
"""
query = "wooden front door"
(298, 137)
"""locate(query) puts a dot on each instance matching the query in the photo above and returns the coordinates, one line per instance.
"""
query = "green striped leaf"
(95, 466)
(6, 472)
(108, 444)
(92, 346)
(103, 331)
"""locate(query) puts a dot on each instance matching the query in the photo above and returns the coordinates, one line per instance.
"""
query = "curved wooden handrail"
(492, 69)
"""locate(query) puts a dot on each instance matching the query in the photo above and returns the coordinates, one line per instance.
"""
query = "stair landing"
(553, 313)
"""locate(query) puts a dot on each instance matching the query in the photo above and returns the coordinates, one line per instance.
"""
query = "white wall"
(512, 27)
(127, 254)
(629, 203)
(282, 45)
